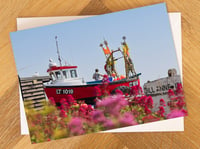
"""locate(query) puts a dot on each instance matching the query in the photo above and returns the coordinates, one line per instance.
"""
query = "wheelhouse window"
(52, 76)
(58, 74)
(65, 72)
(73, 73)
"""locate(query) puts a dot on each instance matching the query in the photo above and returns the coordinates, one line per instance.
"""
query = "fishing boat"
(65, 80)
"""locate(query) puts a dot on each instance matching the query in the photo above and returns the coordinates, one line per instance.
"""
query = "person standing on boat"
(97, 75)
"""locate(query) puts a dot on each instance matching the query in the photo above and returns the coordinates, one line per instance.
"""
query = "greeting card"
(176, 124)
(91, 90)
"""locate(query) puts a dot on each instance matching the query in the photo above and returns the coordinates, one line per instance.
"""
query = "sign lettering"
(161, 86)
(64, 91)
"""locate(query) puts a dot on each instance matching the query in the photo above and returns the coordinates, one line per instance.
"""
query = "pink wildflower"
(98, 116)
(149, 101)
(134, 91)
(147, 110)
(179, 89)
(150, 118)
(184, 111)
(63, 101)
(85, 111)
(108, 124)
(127, 119)
(61, 107)
(176, 113)
(170, 92)
(162, 102)
(180, 104)
(135, 113)
(119, 92)
(76, 126)
(140, 90)
(97, 91)
(84, 105)
(113, 104)
(70, 100)
(82, 112)
(63, 114)
(104, 87)
(172, 105)
(90, 108)
(52, 101)
(142, 100)
(161, 111)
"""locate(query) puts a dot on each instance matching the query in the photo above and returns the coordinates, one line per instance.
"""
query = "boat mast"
(58, 50)
(129, 68)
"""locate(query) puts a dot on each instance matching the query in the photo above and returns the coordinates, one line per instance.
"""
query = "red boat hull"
(84, 91)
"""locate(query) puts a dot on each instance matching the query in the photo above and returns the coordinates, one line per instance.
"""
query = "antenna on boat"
(58, 50)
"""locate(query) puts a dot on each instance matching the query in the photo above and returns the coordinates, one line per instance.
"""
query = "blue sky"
(147, 30)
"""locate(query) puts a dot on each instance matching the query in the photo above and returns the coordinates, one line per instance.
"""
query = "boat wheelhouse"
(64, 75)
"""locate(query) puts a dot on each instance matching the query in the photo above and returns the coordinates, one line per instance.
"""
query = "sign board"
(161, 86)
